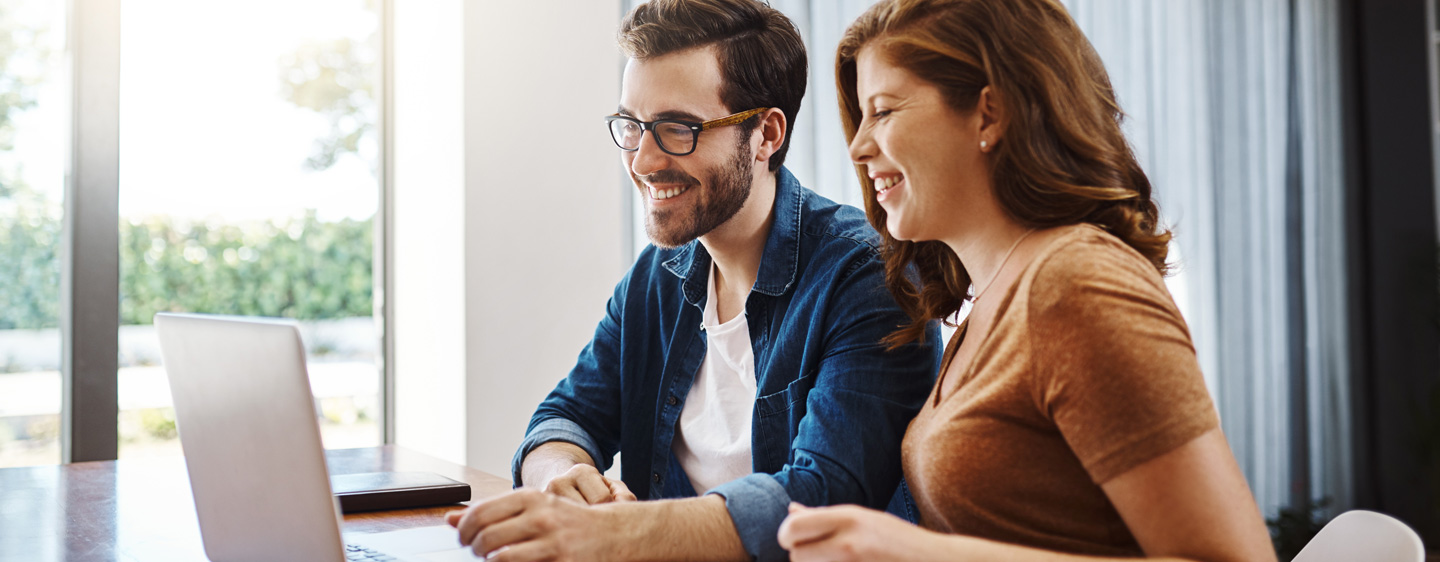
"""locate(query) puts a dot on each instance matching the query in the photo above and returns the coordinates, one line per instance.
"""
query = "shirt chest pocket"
(777, 421)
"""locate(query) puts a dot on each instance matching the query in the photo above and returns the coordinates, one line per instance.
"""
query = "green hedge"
(29, 260)
(303, 269)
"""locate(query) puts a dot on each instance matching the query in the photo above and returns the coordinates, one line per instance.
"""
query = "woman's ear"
(772, 134)
(992, 117)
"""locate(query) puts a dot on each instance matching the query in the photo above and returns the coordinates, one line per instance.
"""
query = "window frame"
(90, 263)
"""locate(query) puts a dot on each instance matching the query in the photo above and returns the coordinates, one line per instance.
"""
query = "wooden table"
(142, 510)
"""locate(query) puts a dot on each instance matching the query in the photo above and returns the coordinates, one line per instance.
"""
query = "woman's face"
(922, 156)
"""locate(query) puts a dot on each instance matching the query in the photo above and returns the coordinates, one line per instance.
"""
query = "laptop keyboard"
(356, 552)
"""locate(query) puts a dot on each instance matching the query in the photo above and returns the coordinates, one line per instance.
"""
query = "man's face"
(685, 196)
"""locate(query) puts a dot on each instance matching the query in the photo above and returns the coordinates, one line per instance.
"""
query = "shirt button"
(657, 477)
(672, 400)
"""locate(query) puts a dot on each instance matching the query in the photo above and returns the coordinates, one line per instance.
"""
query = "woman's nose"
(862, 147)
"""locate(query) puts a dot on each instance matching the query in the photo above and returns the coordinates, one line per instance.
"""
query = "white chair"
(1363, 535)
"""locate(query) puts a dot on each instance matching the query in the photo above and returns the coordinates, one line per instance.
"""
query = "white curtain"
(818, 156)
(1233, 110)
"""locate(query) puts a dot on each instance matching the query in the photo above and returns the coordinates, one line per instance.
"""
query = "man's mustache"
(669, 177)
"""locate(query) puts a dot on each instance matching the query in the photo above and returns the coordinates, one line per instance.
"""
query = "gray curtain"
(1233, 109)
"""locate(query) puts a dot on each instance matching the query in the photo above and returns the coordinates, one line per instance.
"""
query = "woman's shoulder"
(1084, 260)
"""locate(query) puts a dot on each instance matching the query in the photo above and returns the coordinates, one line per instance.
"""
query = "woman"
(1070, 419)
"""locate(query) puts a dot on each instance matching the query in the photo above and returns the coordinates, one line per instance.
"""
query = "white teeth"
(667, 193)
(885, 183)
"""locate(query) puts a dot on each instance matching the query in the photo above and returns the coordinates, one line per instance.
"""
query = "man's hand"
(530, 525)
(584, 483)
(848, 532)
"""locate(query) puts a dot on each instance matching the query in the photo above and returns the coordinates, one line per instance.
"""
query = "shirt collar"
(780, 260)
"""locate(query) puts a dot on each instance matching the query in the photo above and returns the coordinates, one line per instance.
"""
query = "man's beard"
(723, 196)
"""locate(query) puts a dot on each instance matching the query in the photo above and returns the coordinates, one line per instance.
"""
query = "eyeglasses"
(675, 137)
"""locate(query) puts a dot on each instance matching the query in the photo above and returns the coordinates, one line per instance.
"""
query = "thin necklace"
(1003, 261)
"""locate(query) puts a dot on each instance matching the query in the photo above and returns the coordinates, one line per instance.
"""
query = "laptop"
(248, 428)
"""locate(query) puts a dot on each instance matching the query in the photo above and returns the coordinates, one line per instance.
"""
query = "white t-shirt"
(712, 441)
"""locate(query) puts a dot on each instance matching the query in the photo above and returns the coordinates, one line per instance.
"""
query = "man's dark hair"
(761, 55)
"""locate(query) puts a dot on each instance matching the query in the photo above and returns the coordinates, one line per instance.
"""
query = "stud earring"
(983, 145)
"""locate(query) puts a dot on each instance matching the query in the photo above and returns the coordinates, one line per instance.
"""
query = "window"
(33, 101)
(249, 186)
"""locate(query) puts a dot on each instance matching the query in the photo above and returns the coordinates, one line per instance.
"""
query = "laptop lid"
(252, 446)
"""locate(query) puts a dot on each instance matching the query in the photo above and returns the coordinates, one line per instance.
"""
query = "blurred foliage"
(28, 433)
(22, 67)
(300, 268)
(159, 423)
(339, 79)
(30, 231)
(1293, 527)
(303, 269)
(30, 227)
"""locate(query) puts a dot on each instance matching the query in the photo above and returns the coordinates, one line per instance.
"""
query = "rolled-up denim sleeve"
(584, 408)
(548, 430)
(757, 504)
(846, 449)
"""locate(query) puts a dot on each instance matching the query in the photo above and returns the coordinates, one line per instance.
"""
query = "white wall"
(545, 221)
(429, 211)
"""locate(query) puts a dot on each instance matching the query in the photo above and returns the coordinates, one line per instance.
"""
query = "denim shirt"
(832, 404)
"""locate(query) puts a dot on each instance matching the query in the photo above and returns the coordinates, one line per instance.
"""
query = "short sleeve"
(1114, 365)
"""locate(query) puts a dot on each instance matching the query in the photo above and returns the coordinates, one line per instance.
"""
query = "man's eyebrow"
(679, 115)
(672, 114)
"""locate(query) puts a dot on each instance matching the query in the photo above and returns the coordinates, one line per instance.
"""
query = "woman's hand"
(850, 532)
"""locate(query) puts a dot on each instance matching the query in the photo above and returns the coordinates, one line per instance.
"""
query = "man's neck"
(738, 245)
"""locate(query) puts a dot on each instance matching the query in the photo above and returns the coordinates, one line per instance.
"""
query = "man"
(741, 356)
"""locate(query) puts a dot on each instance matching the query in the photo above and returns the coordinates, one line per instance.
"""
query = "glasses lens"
(626, 133)
(675, 138)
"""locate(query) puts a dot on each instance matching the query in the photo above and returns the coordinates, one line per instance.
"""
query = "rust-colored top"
(1087, 372)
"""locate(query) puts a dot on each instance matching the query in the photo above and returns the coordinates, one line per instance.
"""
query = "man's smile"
(666, 191)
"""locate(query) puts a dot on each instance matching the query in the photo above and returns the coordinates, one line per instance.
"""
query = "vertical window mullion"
(385, 222)
(90, 272)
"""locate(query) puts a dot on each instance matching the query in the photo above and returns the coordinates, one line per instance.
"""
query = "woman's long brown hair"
(1062, 159)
